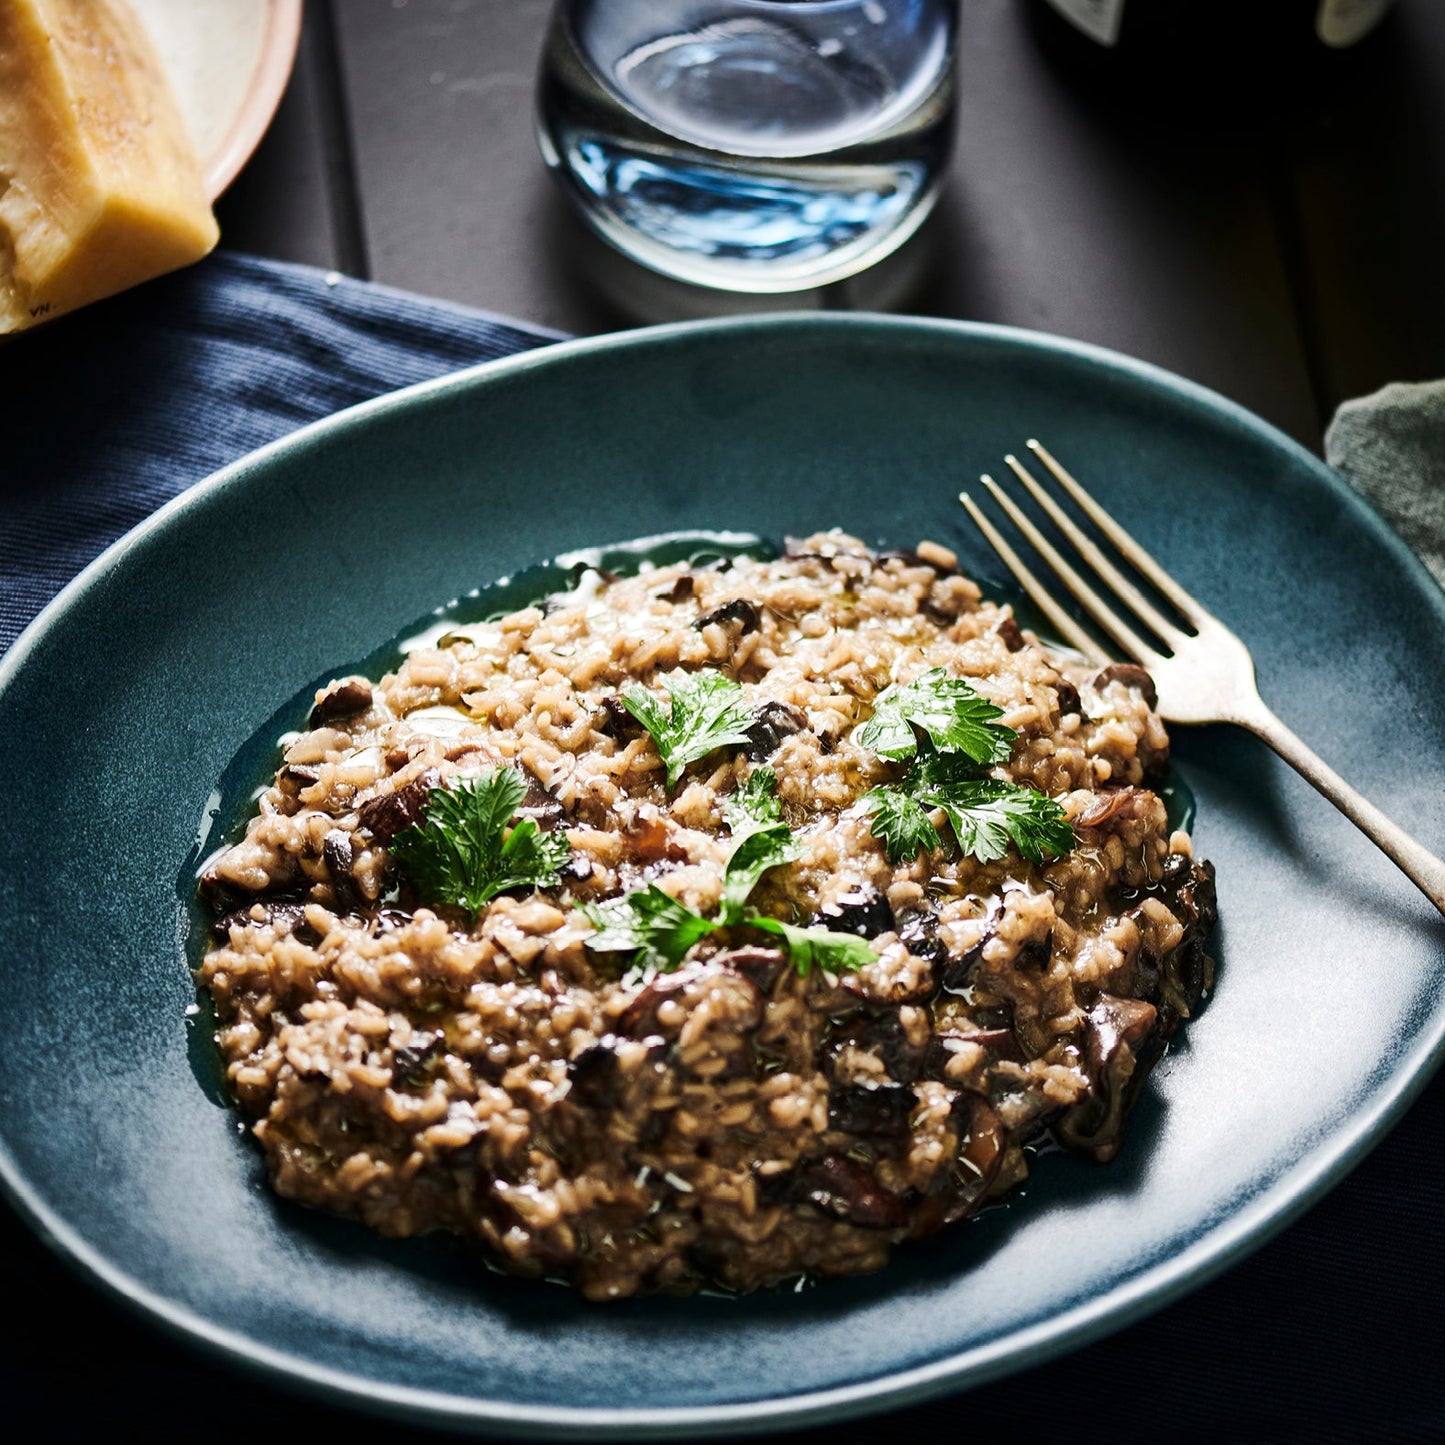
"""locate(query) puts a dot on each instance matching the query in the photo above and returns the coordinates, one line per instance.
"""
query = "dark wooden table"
(1280, 238)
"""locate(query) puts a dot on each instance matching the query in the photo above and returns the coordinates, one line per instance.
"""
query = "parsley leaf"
(760, 850)
(901, 822)
(705, 712)
(986, 814)
(947, 709)
(650, 923)
(754, 805)
(462, 853)
(660, 930)
(806, 947)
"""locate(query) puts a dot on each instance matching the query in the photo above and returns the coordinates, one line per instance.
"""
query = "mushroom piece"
(881, 1110)
(959, 968)
(918, 933)
(347, 698)
(772, 722)
(1036, 953)
(1110, 803)
(392, 813)
(285, 917)
(1123, 1040)
(844, 1188)
(614, 720)
(539, 805)
(999, 1043)
(596, 1075)
(682, 588)
(578, 570)
(737, 609)
(862, 910)
(652, 840)
(1011, 634)
(1131, 675)
(1187, 971)
(639, 1020)
(224, 895)
(960, 1188)
(878, 1029)
(410, 1061)
(763, 967)
(338, 854)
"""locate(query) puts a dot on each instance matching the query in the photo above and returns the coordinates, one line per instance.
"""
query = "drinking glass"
(750, 145)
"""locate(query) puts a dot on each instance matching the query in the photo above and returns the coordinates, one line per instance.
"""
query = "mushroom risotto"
(710, 926)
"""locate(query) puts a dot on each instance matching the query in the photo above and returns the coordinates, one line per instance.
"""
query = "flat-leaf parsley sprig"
(961, 735)
(463, 853)
(760, 850)
(705, 711)
(660, 931)
(820, 947)
(755, 804)
(947, 710)
(649, 923)
(985, 814)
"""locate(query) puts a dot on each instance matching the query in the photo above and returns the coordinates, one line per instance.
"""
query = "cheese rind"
(100, 187)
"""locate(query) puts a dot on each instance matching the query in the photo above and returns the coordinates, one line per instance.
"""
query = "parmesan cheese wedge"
(100, 187)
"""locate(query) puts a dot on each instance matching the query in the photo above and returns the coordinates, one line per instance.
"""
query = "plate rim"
(280, 41)
(1284, 1200)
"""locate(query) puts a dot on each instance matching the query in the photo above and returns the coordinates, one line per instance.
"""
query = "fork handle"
(1417, 863)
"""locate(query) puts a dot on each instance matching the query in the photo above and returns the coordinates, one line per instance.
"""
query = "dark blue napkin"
(114, 410)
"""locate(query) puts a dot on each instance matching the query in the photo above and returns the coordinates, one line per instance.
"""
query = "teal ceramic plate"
(129, 697)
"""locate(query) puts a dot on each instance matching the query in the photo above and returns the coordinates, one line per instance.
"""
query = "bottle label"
(1100, 19)
(1340, 23)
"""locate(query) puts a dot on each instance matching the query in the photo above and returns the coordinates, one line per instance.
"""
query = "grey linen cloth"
(1391, 446)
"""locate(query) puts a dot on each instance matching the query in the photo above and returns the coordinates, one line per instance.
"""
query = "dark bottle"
(1214, 70)
(1184, 29)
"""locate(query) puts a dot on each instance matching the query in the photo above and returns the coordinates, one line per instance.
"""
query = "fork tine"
(1137, 557)
(1086, 548)
(1094, 605)
(1064, 625)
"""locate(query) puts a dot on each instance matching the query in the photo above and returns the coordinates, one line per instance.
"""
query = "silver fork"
(1205, 676)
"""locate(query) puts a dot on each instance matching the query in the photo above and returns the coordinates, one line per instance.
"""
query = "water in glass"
(750, 145)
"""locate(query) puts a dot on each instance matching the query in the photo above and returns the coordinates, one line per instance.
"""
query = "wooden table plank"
(283, 204)
(1056, 216)
(456, 201)
(1071, 213)
(1367, 179)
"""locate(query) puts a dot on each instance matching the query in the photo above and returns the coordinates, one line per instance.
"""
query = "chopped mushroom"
(881, 1109)
(963, 1186)
(843, 1187)
(392, 813)
(1131, 675)
(738, 610)
(861, 910)
(347, 698)
(1122, 1043)
(772, 722)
